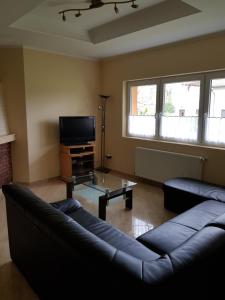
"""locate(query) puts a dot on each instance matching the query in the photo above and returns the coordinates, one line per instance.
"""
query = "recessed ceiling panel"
(151, 16)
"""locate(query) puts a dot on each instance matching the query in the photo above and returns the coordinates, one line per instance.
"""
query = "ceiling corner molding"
(151, 16)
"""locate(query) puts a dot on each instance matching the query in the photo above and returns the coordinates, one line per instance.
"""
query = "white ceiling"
(100, 32)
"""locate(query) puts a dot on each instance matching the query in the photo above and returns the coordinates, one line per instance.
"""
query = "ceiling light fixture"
(116, 9)
(96, 4)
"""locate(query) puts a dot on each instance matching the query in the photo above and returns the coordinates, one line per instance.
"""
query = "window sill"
(175, 143)
(7, 138)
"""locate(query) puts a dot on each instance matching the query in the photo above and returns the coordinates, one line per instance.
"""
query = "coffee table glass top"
(105, 182)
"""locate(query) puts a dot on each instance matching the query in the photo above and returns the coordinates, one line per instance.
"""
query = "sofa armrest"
(67, 205)
(183, 193)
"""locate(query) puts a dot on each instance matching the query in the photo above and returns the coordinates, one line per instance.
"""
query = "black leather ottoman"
(181, 194)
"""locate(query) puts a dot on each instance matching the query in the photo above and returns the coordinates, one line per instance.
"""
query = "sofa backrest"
(55, 253)
(199, 262)
(218, 222)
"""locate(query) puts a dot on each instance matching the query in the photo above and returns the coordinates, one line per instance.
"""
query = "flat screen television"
(76, 129)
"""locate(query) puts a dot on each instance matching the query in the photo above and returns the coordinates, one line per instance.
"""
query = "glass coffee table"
(109, 185)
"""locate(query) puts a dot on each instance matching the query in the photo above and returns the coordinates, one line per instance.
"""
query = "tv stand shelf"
(82, 154)
(76, 160)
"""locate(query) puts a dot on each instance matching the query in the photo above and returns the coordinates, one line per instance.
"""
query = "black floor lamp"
(102, 107)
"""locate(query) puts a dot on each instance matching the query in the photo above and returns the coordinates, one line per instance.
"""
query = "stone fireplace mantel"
(5, 158)
(7, 138)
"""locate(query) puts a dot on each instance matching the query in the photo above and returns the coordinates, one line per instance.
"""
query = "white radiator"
(159, 165)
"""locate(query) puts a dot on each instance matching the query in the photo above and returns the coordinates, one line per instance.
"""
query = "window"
(141, 119)
(215, 117)
(179, 119)
(174, 108)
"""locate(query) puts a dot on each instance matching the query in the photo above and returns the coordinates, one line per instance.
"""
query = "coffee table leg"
(102, 203)
(69, 189)
(129, 199)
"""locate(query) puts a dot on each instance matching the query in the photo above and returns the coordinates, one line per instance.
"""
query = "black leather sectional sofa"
(64, 252)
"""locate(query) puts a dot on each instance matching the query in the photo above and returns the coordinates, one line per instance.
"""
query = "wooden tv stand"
(76, 160)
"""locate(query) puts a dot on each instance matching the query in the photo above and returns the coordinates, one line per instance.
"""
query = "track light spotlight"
(63, 17)
(116, 9)
(134, 5)
(78, 14)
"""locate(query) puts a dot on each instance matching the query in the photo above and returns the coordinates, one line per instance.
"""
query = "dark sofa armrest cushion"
(67, 205)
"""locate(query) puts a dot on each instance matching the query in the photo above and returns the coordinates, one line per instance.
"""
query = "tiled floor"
(147, 213)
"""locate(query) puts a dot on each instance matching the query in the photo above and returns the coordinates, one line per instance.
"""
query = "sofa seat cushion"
(200, 215)
(200, 245)
(122, 241)
(111, 235)
(84, 218)
(166, 237)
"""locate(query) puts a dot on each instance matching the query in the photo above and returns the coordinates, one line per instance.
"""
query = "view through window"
(180, 110)
(141, 120)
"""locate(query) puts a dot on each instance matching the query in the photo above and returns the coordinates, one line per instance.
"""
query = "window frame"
(208, 77)
(204, 102)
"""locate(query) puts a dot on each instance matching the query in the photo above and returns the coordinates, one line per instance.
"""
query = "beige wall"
(38, 87)
(12, 79)
(4, 129)
(195, 55)
(55, 85)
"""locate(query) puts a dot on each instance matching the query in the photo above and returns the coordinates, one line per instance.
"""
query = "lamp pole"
(102, 107)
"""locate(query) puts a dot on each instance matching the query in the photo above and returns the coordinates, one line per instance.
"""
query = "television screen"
(76, 129)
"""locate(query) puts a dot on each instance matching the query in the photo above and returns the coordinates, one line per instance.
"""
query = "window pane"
(141, 126)
(143, 100)
(141, 120)
(215, 122)
(179, 120)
